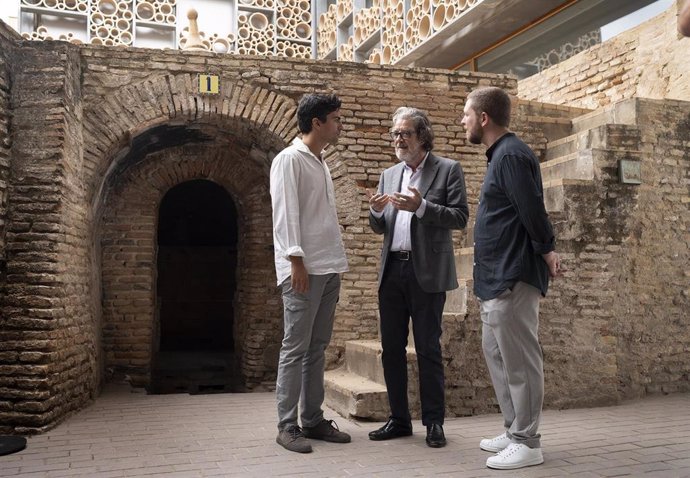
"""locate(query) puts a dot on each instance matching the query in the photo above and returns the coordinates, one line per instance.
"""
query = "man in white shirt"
(419, 202)
(309, 258)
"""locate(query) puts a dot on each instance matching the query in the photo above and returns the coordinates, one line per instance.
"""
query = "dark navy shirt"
(512, 229)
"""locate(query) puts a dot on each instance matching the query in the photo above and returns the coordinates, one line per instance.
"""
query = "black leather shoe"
(391, 429)
(435, 437)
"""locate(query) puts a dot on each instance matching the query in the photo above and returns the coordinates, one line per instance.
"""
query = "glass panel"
(566, 34)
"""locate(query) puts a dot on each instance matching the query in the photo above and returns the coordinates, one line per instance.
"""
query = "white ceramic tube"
(439, 17)
(145, 11)
(303, 30)
(258, 21)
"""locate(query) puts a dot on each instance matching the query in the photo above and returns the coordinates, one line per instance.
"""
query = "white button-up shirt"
(402, 240)
(305, 221)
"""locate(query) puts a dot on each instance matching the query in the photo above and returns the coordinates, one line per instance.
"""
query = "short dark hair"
(315, 106)
(421, 123)
(494, 102)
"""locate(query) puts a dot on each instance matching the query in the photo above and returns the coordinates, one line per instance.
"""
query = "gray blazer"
(443, 186)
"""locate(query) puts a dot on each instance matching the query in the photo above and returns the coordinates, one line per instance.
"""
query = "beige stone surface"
(648, 61)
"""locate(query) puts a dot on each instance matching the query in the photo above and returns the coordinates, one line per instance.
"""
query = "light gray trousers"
(510, 325)
(308, 324)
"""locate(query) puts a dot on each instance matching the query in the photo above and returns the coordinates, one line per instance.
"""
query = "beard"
(475, 135)
(408, 155)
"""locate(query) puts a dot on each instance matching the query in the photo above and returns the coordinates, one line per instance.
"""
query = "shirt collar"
(300, 146)
(421, 165)
(490, 151)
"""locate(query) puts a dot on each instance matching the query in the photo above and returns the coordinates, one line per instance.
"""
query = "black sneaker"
(291, 438)
(327, 430)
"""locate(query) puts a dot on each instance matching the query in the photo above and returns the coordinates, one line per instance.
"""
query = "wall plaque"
(629, 171)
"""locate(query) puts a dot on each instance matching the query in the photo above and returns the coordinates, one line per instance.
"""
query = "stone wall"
(111, 130)
(8, 355)
(648, 61)
(7, 39)
(48, 332)
(129, 222)
(654, 329)
(92, 199)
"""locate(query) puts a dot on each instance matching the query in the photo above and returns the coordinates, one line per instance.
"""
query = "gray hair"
(421, 123)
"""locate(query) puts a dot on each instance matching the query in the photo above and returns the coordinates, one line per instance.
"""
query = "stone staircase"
(595, 143)
(358, 389)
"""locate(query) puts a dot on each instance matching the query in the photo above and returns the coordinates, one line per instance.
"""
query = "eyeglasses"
(405, 134)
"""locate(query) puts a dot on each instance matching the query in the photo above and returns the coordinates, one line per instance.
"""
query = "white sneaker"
(495, 444)
(516, 455)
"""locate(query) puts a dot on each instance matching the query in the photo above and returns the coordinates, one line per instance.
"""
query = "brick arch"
(245, 113)
(128, 259)
(253, 118)
(113, 121)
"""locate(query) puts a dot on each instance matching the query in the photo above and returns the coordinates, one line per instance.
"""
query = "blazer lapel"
(393, 186)
(429, 172)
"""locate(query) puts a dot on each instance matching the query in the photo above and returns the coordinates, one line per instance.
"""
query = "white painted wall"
(9, 12)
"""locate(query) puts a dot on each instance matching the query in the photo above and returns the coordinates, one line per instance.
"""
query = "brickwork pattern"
(648, 61)
(126, 435)
(48, 334)
(129, 252)
(261, 109)
(7, 38)
(654, 328)
(88, 170)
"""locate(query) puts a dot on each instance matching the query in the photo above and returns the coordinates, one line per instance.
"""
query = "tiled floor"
(128, 434)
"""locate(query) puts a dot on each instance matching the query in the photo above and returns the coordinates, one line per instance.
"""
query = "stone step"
(465, 263)
(577, 165)
(623, 112)
(358, 388)
(564, 146)
(363, 358)
(607, 136)
(554, 193)
(555, 121)
(354, 396)
(456, 299)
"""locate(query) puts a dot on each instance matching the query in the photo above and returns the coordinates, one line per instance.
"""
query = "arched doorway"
(196, 270)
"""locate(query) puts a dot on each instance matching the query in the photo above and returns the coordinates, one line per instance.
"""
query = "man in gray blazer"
(418, 203)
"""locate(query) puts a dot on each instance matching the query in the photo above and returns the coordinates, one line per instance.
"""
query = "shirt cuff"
(376, 214)
(421, 209)
(543, 248)
(294, 251)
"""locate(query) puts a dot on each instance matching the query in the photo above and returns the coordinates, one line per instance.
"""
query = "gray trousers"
(308, 324)
(510, 325)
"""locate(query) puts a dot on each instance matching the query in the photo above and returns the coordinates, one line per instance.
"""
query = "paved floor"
(128, 434)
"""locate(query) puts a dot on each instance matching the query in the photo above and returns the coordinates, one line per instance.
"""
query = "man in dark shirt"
(513, 259)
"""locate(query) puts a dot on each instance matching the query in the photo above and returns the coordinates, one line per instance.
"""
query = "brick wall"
(91, 160)
(648, 61)
(8, 356)
(258, 112)
(48, 333)
(7, 39)
(654, 329)
(129, 255)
